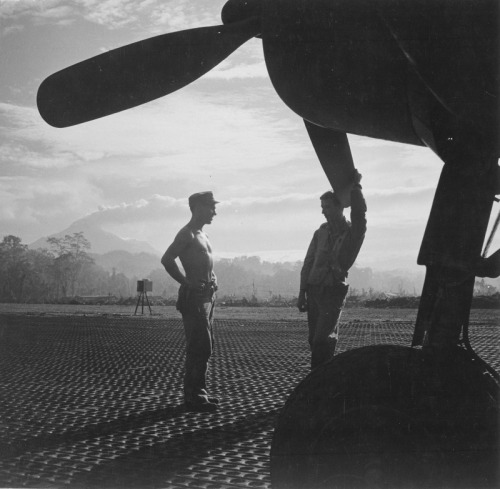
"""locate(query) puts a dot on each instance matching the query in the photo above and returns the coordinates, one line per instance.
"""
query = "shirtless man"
(196, 300)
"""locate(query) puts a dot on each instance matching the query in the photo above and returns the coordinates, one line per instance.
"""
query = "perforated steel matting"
(97, 401)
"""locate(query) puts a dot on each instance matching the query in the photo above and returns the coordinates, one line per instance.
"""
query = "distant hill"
(243, 275)
(101, 241)
(139, 265)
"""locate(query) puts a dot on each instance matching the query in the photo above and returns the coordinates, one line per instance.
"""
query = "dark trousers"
(324, 309)
(197, 315)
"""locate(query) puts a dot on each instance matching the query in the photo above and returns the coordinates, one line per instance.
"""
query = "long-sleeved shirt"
(333, 251)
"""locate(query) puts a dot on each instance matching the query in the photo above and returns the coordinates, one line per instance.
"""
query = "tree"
(39, 286)
(71, 258)
(14, 268)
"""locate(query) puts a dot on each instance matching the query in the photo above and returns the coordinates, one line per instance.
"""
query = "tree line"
(46, 275)
(68, 270)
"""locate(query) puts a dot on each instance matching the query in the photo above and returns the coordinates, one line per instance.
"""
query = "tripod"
(140, 299)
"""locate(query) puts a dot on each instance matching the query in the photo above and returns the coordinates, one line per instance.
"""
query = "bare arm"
(180, 243)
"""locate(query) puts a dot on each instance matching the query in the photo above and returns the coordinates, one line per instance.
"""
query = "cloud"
(182, 144)
(114, 14)
(152, 208)
(227, 72)
(256, 167)
(41, 11)
(179, 15)
(395, 169)
(400, 191)
(370, 143)
(31, 201)
(228, 132)
(12, 29)
(186, 128)
(144, 217)
(15, 116)
(159, 207)
(247, 62)
(20, 155)
(27, 141)
(272, 226)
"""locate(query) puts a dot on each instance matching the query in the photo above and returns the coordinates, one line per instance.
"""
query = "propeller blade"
(334, 154)
(137, 73)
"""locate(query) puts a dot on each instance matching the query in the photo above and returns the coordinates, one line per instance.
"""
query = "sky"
(228, 132)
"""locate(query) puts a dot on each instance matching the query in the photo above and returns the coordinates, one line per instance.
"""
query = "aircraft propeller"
(140, 72)
(334, 153)
(137, 73)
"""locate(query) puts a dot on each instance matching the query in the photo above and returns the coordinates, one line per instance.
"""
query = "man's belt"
(209, 286)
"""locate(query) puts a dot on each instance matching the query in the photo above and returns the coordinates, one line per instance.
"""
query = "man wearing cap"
(323, 288)
(196, 299)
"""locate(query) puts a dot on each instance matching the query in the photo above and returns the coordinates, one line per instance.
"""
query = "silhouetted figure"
(196, 300)
(323, 288)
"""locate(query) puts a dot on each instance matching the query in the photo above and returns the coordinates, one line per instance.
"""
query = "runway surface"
(96, 401)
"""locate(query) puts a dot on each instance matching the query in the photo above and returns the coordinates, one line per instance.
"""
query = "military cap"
(202, 198)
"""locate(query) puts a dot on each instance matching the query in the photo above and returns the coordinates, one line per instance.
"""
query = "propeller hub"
(238, 10)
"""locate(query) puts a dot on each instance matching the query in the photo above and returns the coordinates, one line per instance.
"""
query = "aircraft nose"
(238, 10)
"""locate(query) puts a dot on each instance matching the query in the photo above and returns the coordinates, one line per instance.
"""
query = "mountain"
(101, 241)
(130, 264)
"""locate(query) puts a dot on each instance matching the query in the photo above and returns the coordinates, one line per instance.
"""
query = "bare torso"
(192, 247)
(196, 257)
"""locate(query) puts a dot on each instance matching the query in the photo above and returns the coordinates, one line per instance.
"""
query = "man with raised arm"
(196, 300)
(323, 288)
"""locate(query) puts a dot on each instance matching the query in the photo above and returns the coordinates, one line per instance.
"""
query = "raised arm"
(358, 211)
(352, 244)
